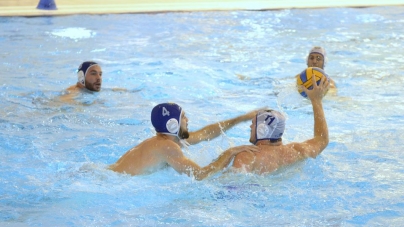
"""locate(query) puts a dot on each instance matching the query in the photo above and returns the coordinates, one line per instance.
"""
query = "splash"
(73, 33)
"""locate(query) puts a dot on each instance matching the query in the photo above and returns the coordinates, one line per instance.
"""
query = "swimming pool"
(216, 65)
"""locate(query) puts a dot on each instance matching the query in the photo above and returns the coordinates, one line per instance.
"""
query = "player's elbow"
(314, 154)
(323, 141)
(203, 173)
(326, 138)
(316, 151)
(200, 176)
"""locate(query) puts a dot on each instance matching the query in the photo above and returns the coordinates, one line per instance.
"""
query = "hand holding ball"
(305, 78)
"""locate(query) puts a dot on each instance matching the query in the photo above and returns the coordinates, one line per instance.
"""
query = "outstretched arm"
(214, 130)
(314, 146)
(184, 165)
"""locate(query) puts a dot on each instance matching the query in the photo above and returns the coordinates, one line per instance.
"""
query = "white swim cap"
(270, 125)
(318, 50)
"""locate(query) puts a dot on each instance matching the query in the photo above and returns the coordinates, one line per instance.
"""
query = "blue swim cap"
(166, 118)
(270, 125)
(81, 72)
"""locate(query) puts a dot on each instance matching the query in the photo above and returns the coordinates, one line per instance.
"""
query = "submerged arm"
(70, 94)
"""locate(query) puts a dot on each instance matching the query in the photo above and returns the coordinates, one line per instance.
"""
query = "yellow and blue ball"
(305, 78)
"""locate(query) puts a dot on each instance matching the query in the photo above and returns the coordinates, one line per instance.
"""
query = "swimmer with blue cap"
(166, 119)
(165, 148)
(89, 77)
(267, 129)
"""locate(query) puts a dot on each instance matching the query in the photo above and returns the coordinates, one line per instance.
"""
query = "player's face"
(315, 60)
(183, 133)
(94, 78)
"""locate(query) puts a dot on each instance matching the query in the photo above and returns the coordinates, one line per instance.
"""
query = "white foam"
(74, 33)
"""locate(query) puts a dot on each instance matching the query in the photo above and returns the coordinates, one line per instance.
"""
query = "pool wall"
(68, 7)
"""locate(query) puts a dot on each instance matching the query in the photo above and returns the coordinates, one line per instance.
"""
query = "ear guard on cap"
(80, 77)
(172, 125)
(262, 131)
(81, 72)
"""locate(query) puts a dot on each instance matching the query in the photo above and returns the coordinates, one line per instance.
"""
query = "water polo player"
(89, 76)
(164, 149)
(317, 57)
(267, 129)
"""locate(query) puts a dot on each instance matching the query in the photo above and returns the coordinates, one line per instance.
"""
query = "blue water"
(216, 65)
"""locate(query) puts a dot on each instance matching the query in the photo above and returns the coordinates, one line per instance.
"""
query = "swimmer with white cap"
(164, 149)
(317, 57)
(267, 129)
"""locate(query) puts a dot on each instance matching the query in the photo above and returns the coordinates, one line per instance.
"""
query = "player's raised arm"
(319, 142)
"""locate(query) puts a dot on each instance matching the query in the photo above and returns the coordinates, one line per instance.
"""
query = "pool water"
(216, 65)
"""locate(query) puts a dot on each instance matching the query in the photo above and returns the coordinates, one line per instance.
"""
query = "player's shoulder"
(164, 145)
(244, 156)
(293, 147)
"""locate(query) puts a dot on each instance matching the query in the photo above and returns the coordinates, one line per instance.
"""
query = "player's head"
(89, 74)
(267, 125)
(317, 57)
(169, 118)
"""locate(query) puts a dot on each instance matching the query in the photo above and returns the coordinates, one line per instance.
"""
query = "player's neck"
(169, 137)
(268, 143)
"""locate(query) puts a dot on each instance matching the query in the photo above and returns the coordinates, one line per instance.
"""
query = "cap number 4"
(166, 112)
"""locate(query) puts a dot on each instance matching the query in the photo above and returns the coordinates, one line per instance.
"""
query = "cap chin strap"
(184, 143)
